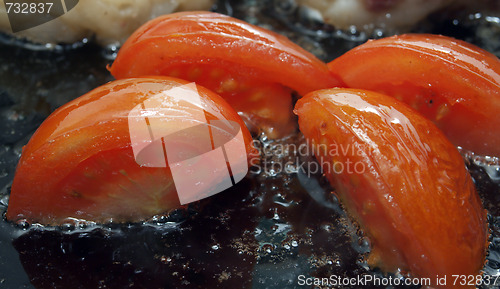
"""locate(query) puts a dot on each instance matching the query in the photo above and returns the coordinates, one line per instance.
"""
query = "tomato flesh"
(451, 82)
(401, 178)
(266, 105)
(80, 163)
(252, 68)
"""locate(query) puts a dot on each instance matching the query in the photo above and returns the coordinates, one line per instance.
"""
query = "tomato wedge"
(88, 160)
(254, 69)
(451, 82)
(400, 177)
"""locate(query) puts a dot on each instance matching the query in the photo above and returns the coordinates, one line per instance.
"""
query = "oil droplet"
(268, 248)
(4, 201)
(272, 172)
(67, 227)
(165, 259)
(109, 52)
(23, 224)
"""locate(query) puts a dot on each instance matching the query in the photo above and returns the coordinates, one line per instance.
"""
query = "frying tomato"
(401, 178)
(451, 82)
(99, 158)
(254, 69)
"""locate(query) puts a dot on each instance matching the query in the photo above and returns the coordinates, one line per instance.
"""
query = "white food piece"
(360, 14)
(110, 21)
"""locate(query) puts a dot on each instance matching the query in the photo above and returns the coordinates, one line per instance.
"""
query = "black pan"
(265, 232)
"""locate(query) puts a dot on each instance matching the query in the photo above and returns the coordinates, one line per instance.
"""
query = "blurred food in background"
(109, 21)
(262, 233)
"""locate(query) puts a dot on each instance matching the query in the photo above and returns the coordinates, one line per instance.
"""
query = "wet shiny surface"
(104, 155)
(263, 233)
(404, 181)
(449, 81)
(215, 38)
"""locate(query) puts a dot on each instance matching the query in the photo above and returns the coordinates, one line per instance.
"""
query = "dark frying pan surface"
(262, 233)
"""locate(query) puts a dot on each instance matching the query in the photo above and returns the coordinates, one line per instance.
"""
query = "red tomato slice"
(251, 67)
(401, 178)
(81, 161)
(451, 82)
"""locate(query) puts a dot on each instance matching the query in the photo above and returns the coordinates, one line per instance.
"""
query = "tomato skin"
(80, 162)
(412, 194)
(451, 82)
(227, 55)
(199, 37)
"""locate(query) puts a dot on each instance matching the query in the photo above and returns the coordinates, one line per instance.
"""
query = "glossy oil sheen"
(202, 37)
(80, 162)
(453, 83)
(414, 196)
(254, 69)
